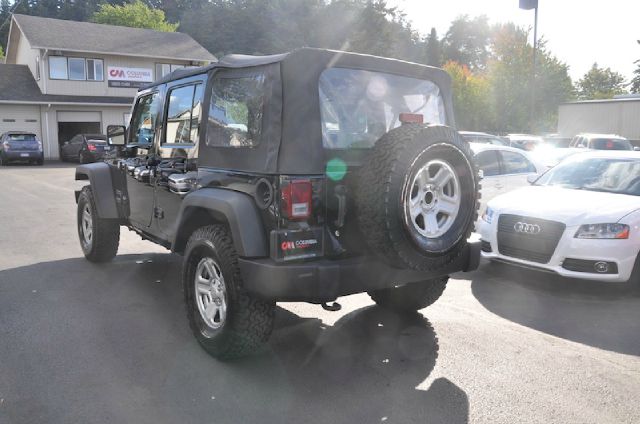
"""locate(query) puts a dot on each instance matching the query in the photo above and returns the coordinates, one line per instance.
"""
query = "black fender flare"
(99, 176)
(235, 209)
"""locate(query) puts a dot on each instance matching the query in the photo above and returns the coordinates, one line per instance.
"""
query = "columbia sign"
(129, 77)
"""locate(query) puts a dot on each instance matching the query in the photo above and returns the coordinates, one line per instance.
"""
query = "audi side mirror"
(116, 135)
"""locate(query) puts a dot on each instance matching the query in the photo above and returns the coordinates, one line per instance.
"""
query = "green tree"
(509, 70)
(635, 82)
(468, 42)
(471, 98)
(600, 83)
(433, 49)
(1, 53)
(136, 15)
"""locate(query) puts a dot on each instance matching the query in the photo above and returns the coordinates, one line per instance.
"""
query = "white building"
(619, 116)
(62, 78)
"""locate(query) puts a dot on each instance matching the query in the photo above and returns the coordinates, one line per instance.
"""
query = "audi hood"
(572, 207)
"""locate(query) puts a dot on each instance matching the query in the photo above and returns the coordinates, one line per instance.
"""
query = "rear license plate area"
(288, 245)
(24, 155)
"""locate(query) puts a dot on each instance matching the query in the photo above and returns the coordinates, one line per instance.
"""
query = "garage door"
(20, 118)
(69, 116)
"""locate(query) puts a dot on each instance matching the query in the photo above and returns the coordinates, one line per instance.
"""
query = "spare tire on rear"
(417, 196)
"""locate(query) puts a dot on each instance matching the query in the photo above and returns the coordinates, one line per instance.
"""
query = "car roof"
(310, 56)
(483, 134)
(611, 154)
(596, 135)
(525, 137)
(481, 147)
(98, 136)
(20, 132)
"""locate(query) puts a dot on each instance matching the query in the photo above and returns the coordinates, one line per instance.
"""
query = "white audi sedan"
(580, 219)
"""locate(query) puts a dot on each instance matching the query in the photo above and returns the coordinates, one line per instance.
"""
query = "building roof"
(88, 37)
(17, 85)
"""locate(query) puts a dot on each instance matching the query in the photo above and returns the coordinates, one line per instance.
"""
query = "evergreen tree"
(433, 49)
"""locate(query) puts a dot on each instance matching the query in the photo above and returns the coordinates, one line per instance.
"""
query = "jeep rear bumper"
(325, 280)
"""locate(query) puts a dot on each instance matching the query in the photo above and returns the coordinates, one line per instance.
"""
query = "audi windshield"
(611, 175)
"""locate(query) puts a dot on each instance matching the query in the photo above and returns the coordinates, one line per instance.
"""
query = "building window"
(74, 68)
(37, 68)
(163, 69)
(77, 69)
(183, 114)
(58, 67)
(95, 69)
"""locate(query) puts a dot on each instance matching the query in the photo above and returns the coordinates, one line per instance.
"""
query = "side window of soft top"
(235, 111)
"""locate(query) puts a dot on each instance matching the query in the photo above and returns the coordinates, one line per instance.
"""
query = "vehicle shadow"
(110, 343)
(602, 315)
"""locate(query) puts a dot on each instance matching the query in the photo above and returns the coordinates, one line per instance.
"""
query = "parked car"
(503, 169)
(601, 142)
(260, 203)
(556, 140)
(581, 219)
(18, 146)
(524, 141)
(85, 148)
(480, 137)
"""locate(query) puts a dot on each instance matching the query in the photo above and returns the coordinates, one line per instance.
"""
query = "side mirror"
(531, 178)
(116, 135)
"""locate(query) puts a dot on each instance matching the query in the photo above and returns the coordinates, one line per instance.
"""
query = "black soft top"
(292, 124)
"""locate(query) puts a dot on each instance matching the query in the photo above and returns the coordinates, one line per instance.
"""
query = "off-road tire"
(410, 297)
(40, 162)
(379, 196)
(249, 320)
(105, 233)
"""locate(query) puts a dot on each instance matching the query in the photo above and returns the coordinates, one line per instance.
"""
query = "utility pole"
(528, 5)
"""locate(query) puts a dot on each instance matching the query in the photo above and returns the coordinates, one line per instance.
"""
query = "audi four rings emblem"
(524, 227)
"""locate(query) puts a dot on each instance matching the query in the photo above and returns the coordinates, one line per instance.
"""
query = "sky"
(578, 32)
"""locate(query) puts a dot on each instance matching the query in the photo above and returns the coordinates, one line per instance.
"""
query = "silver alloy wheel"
(211, 293)
(86, 225)
(433, 199)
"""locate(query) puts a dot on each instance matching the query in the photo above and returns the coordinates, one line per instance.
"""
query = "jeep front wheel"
(410, 297)
(99, 238)
(227, 322)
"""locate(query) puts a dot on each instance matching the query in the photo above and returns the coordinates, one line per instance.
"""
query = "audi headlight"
(603, 231)
(487, 216)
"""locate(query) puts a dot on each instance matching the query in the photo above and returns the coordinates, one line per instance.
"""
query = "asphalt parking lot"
(90, 343)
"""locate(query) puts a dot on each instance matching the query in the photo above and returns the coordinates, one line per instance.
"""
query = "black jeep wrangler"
(296, 177)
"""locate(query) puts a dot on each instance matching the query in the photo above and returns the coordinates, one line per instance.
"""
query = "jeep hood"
(570, 206)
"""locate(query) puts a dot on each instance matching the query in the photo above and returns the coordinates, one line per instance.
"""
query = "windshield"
(21, 137)
(613, 175)
(357, 107)
(610, 144)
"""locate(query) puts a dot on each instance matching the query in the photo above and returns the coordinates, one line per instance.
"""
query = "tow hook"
(334, 307)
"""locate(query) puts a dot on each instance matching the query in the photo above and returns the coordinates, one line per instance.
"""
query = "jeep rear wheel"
(99, 238)
(417, 196)
(227, 322)
(410, 297)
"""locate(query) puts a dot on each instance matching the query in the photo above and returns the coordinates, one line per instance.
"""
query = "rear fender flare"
(99, 176)
(235, 209)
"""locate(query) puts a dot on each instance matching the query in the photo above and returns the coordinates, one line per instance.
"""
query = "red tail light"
(296, 196)
(92, 147)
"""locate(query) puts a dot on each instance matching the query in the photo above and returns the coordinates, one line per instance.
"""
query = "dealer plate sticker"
(296, 244)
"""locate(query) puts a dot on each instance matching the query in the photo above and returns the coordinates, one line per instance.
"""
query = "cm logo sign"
(116, 73)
